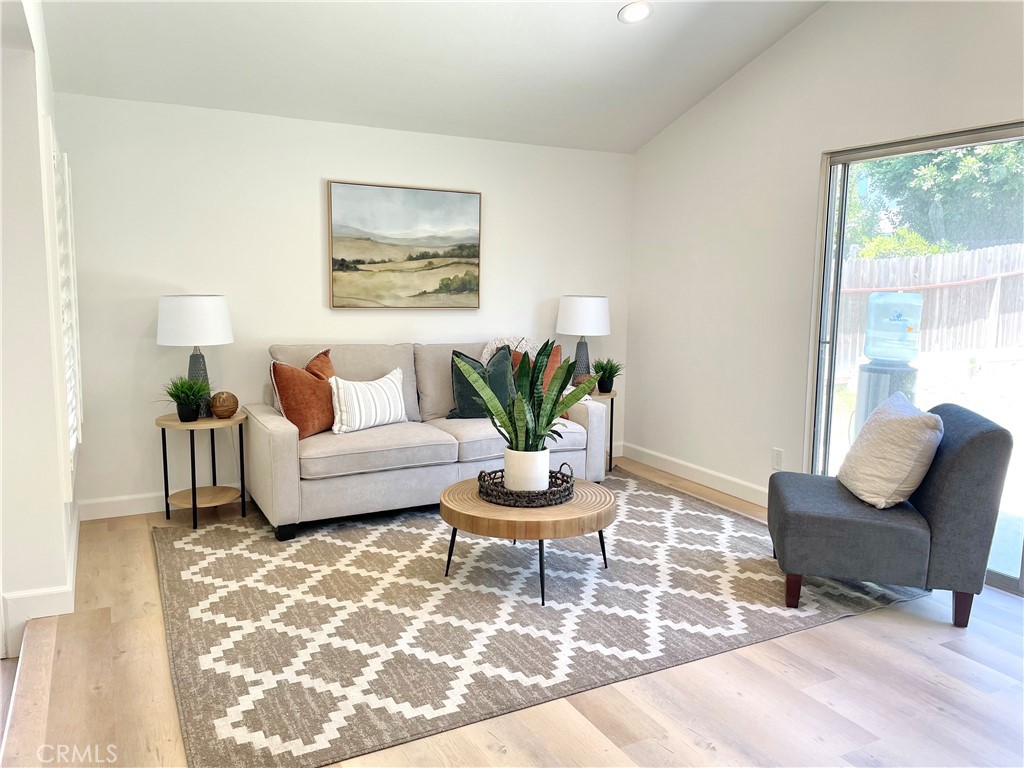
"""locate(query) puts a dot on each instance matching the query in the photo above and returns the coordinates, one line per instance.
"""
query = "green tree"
(972, 195)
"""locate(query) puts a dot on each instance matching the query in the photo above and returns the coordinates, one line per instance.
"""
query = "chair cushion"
(392, 446)
(819, 528)
(478, 440)
(892, 453)
(434, 376)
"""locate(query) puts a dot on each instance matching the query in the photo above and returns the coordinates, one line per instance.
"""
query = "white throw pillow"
(892, 453)
(364, 404)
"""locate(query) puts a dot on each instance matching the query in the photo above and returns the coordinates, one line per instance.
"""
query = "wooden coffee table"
(592, 509)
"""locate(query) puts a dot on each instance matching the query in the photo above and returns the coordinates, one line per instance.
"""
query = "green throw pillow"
(497, 373)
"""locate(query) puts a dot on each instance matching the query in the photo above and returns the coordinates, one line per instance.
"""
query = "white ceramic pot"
(527, 470)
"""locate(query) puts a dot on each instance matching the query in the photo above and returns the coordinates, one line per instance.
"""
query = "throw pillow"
(364, 404)
(515, 343)
(892, 453)
(554, 361)
(497, 373)
(304, 394)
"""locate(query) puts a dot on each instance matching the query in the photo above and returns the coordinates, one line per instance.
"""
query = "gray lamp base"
(582, 369)
(197, 372)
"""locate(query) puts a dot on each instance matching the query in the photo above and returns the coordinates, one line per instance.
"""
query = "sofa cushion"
(498, 375)
(366, 404)
(392, 446)
(478, 440)
(434, 376)
(362, 362)
(303, 393)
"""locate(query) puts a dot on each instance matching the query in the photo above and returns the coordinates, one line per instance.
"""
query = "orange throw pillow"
(554, 361)
(305, 393)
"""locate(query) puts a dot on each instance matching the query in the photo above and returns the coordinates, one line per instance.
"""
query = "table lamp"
(583, 316)
(194, 321)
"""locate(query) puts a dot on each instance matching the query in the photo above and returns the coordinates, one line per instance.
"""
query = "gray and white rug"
(349, 638)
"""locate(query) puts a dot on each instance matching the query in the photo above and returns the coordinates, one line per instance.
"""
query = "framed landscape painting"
(403, 247)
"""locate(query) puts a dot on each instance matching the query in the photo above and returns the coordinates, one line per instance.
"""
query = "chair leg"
(793, 583)
(962, 602)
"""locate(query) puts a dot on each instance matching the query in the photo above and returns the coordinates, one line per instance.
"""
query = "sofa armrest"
(272, 450)
(592, 415)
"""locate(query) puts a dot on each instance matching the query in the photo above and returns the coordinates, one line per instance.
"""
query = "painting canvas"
(401, 247)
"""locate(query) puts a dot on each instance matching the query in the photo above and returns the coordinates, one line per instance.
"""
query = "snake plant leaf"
(491, 402)
(521, 421)
(523, 376)
(499, 430)
(576, 395)
(540, 364)
(559, 381)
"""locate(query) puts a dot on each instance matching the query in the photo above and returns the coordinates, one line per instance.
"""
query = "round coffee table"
(591, 509)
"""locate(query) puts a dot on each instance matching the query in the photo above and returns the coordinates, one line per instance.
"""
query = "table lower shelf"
(206, 496)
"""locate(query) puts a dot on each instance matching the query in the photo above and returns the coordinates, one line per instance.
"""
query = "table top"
(603, 395)
(170, 421)
(591, 509)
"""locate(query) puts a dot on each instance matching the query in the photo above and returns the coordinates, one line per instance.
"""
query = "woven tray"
(560, 489)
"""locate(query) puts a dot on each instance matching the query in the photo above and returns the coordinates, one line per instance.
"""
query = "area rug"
(349, 638)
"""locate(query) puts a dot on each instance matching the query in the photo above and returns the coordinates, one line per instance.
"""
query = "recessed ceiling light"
(635, 12)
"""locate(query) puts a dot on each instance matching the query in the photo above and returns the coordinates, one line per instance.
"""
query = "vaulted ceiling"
(564, 74)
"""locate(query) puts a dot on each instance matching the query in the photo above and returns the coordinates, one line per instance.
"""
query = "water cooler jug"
(892, 340)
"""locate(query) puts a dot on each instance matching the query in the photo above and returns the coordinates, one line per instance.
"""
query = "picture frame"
(394, 247)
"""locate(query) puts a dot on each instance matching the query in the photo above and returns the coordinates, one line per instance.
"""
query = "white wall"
(38, 539)
(175, 199)
(727, 208)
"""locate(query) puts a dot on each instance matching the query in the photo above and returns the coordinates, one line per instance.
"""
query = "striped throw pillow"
(364, 404)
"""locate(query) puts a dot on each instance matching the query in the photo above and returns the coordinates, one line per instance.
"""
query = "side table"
(610, 397)
(208, 495)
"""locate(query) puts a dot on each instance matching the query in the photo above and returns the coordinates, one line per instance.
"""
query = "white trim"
(30, 604)
(733, 486)
(130, 504)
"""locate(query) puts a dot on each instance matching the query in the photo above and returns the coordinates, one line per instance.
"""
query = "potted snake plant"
(529, 418)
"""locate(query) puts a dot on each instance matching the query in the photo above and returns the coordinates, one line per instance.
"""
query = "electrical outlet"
(777, 454)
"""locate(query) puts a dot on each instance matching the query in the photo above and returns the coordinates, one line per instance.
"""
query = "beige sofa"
(396, 465)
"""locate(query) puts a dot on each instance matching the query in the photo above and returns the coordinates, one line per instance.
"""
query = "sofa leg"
(962, 602)
(793, 583)
(286, 532)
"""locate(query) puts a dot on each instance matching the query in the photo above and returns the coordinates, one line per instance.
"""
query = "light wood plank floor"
(897, 686)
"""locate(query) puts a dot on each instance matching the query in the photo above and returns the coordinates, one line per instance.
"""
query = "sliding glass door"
(923, 293)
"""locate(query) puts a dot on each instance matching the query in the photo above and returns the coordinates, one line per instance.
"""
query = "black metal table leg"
(241, 466)
(600, 535)
(451, 549)
(213, 455)
(541, 550)
(167, 488)
(611, 439)
(192, 451)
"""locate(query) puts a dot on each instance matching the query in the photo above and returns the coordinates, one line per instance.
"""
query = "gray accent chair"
(939, 539)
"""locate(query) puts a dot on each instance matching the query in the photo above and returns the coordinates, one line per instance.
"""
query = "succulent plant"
(188, 392)
(607, 369)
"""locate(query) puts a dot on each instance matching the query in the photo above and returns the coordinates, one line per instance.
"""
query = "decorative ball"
(223, 405)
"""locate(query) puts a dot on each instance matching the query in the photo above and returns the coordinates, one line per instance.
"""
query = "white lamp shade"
(193, 321)
(583, 316)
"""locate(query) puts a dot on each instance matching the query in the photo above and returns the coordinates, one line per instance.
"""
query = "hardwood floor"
(897, 686)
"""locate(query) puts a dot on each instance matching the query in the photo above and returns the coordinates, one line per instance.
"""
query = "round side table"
(208, 495)
(591, 509)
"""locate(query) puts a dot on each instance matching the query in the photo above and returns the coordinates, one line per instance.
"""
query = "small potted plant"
(606, 371)
(529, 418)
(188, 396)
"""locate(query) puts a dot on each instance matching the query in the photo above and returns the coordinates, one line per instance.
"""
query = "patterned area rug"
(349, 638)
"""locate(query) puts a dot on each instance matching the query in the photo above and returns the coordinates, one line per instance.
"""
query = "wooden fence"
(973, 300)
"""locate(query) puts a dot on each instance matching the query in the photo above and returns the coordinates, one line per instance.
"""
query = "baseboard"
(733, 486)
(20, 607)
(122, 506)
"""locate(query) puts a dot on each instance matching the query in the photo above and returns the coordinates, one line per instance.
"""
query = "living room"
(678, 167)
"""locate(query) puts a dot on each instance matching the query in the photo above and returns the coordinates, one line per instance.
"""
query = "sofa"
(394, 466)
